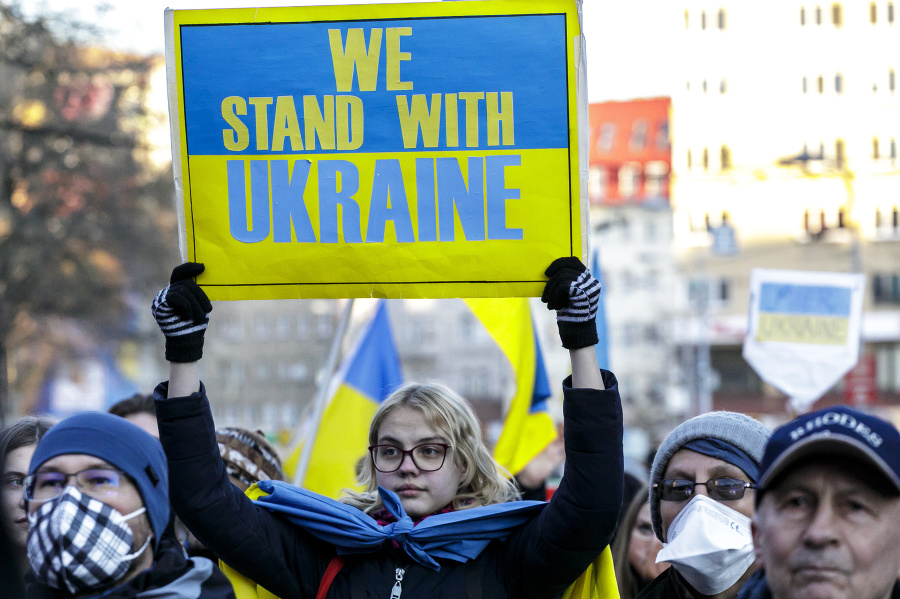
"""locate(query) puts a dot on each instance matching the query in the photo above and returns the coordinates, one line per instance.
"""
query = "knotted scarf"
(458, 535)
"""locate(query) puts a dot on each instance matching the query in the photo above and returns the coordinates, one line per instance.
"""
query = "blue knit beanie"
(122, 444)
(741, 431)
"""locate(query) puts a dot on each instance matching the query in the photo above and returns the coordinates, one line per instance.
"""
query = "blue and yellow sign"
(392, 150)
(793, 313)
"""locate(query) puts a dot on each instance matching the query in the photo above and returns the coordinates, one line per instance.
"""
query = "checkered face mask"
(77, 543)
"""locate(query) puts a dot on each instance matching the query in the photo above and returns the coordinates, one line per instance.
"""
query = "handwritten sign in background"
(411, 151)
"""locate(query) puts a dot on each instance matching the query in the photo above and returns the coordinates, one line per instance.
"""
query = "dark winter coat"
(538, 560)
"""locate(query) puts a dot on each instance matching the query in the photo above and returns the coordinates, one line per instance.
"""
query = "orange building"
(630, 153)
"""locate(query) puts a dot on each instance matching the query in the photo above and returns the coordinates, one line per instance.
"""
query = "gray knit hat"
(743, 432)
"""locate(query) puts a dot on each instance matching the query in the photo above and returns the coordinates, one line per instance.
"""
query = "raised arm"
(250, 539)
(546, 555)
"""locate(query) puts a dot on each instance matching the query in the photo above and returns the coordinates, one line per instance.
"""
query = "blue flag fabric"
(460, 535)
(602, 347)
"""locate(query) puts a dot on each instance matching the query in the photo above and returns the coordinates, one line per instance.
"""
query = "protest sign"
(804, 330)
(388, 150)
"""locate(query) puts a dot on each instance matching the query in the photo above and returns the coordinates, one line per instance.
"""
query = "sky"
(621, 64)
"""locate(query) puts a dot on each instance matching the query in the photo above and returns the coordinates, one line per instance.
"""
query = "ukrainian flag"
(528, 428)
(602, 347)
(367, 377)
(813, 314)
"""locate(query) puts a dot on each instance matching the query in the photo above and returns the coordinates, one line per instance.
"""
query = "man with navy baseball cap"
(827, 520)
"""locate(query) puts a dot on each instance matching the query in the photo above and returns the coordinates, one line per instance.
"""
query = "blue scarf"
(460, 535)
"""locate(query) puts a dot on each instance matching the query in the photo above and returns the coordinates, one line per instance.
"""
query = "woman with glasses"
(437, 516)
(701, 502)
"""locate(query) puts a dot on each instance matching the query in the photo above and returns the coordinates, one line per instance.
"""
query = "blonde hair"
(483, 480)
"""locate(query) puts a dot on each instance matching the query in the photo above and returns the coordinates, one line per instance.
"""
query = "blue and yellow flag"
(368, 375)
(816, 314)
(528, 428)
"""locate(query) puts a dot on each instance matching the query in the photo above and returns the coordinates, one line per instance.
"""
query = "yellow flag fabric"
(367, 377)
(528, 429)
(597, 582)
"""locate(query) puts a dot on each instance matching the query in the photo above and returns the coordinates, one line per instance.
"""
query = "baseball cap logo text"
(833, 419)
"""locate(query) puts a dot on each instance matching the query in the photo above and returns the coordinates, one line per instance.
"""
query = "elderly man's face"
(829, 528)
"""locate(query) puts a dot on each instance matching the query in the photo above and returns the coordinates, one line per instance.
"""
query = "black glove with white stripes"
(182, 312)
(574, 294)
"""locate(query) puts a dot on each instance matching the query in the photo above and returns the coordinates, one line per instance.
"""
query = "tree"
(85, 223)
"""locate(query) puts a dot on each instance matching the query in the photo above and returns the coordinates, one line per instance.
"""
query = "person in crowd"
(248, 456)
(827, 520)
(138, 409)
(701, 501)
(17, 443)
(635, 547)
(438, 516)
(97, 502)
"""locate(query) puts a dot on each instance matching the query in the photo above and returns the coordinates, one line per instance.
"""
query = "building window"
(704, 86)
(838, 83)
(802, 16)
(890, 12)
(662, 135)
(323, 326)
(606, 137)
(262, 327)
(818, 15)
(893, 149)
(725, 157)
(804, 85)
(723, 87)
(820, 84)
(886, 288)
(839, 153)
(873, 13)
(656, 179)
(875, 153)
(703, 20)
(283, 326)
(892, 80)
(721, 18)
(686, 20)
(836, 16)
(689, 159)
(597, 182)
(705, 159)
(638, 135)
(629, 179)
(724, 291)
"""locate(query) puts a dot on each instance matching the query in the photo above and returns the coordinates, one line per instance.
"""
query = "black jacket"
(539, 559)
(668, 585)
(173, 576)
(757, 587)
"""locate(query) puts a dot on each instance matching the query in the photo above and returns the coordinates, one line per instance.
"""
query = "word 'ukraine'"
(442, 193)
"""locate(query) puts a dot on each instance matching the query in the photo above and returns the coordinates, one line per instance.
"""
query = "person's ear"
(754, 531)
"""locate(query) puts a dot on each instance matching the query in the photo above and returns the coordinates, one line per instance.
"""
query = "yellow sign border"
(420, 289)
